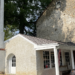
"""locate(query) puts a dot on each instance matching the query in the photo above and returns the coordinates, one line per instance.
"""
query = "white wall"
(2, 52)
(1, 23)
(40, 65)
(2, 61)
(25, 56)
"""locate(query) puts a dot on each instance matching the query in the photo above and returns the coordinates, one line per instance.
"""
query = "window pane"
(13, 61)
(13, 64)
(46, 59)
(67, 58)
(52, 59)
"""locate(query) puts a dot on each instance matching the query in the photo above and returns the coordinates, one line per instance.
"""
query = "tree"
(9, 31)
(23, 14)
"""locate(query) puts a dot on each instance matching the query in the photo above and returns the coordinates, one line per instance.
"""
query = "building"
(26, 55)
(2, 50)
(58, 23)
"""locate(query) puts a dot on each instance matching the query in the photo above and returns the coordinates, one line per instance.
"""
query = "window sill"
(63, 66)
(49, 68)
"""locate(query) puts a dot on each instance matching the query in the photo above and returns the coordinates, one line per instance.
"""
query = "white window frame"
(69, 57)
(50, 60)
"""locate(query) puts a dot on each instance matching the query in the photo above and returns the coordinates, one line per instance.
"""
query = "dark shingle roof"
(39, 41)
(67, 43)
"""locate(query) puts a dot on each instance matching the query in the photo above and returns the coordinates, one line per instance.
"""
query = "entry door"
(13, 65)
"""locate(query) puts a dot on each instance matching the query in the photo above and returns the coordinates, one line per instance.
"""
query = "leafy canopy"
(22, 14)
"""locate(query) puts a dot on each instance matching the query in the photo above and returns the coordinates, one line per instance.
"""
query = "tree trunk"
(21, 28)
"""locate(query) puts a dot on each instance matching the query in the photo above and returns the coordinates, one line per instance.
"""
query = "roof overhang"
(66, 47)
(46, 46)
(36, 46)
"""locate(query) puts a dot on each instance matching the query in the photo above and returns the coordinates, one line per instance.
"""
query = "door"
(12, 65)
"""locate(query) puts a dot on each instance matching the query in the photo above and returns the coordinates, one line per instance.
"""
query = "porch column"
(56, 61)
(72, 59)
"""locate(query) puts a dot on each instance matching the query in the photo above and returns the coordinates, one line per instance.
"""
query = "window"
(13, 61)
(60, 60)
(67, 58)
(52, 59)
(46, 59)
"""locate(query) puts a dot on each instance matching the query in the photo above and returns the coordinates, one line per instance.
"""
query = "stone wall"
(58, 24)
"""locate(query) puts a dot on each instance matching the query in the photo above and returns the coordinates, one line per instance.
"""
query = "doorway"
(12, 64)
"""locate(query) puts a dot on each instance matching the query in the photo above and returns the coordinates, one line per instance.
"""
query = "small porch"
(56, 60)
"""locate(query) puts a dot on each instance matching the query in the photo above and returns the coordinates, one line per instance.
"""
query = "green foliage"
(9, 31)
(22, 14)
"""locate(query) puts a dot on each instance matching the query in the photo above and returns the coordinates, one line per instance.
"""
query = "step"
(9, 74)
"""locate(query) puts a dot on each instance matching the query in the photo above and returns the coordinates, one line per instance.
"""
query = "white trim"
(72, 59)
(48, 46)
(50, 59)
(44, 47)
(52, 44)
(56, 61)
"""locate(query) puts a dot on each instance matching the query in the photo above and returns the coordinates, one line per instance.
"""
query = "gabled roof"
(34, 40)
(39, 41)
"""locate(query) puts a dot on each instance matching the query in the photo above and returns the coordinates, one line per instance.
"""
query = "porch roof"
(39, 41)
(67, 45)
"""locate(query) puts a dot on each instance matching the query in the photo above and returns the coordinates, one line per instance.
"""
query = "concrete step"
(9, 74)
(1, 74)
